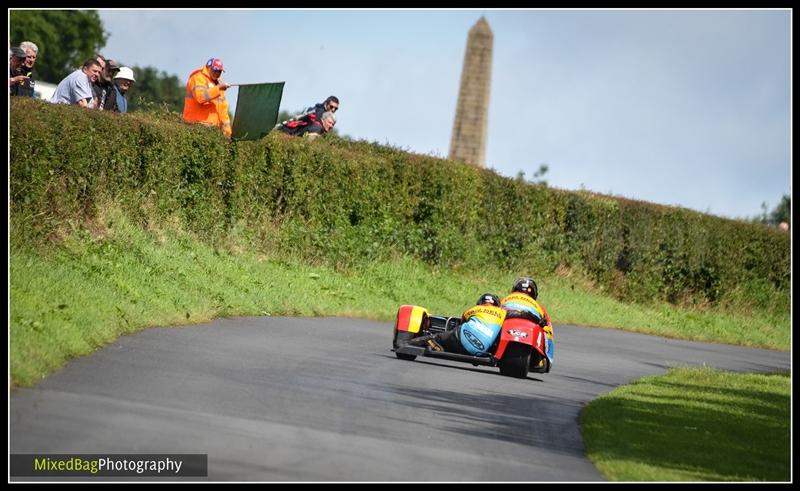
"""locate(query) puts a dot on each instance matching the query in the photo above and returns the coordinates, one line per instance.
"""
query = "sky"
(684, 108)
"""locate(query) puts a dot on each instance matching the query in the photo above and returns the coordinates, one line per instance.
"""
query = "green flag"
(256, 110)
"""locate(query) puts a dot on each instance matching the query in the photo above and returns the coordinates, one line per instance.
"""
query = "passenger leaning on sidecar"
(477, 332)
(524, 298)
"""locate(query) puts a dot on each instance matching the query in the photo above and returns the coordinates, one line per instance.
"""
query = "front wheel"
(516, 360)
(539, 363)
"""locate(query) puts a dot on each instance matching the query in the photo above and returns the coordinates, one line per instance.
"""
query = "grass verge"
(72, 298)
(693, 424)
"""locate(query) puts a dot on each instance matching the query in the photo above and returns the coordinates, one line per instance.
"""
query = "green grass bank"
(693, 424)
(70, 298)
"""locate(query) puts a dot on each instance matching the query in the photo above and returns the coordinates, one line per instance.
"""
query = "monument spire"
(468, 141)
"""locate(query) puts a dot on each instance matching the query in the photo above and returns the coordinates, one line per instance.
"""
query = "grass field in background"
(693, 424)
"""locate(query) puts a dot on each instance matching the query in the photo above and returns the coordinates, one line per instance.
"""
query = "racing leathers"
(480, 328)
(474, 334)
(477, 333)
(524, 303)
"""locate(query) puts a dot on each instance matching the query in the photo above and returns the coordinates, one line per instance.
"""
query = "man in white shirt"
(76, 88)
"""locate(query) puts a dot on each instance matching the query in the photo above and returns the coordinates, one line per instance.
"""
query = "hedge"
(347, 202)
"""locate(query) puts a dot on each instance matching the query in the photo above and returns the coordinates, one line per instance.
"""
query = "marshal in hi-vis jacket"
(205, 103)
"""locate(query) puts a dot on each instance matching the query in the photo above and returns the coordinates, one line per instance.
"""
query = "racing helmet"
(526, 285)
(488, 299)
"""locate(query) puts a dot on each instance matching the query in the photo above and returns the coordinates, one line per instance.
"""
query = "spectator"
(123, 81)
(31, 52)
(19, 80)
(312, 130)
(331, 104)
(76, 88)
(16, 57)
(310, 115)
(103, 88)
(97, 92)
(205, 101)
(27, 86)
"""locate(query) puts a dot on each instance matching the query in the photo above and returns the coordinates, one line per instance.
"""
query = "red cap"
(215, 64)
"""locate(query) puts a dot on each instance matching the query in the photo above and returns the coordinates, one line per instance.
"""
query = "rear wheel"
(401, 338)
(516, 360)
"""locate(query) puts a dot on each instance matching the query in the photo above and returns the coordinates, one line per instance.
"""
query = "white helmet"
(125, 73)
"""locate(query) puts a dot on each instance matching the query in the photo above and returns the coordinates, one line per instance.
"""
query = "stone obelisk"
(468, 142)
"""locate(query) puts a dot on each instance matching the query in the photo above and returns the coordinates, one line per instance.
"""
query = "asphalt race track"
(324, 399)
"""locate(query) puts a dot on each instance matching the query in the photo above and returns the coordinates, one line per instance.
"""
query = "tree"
(285, 115)
(66, 38)
(543, 168)
(156, 91)
(781, 213)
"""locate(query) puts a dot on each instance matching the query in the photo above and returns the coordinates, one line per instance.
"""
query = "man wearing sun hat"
(123, 81)
(205, 101)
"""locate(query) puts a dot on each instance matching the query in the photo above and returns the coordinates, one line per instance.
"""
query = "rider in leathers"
(523, 298)
(477, 332)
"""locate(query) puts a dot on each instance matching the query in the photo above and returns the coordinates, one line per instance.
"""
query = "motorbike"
(521, 347)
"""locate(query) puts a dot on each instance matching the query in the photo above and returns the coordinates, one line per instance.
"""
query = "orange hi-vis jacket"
(205, 103)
